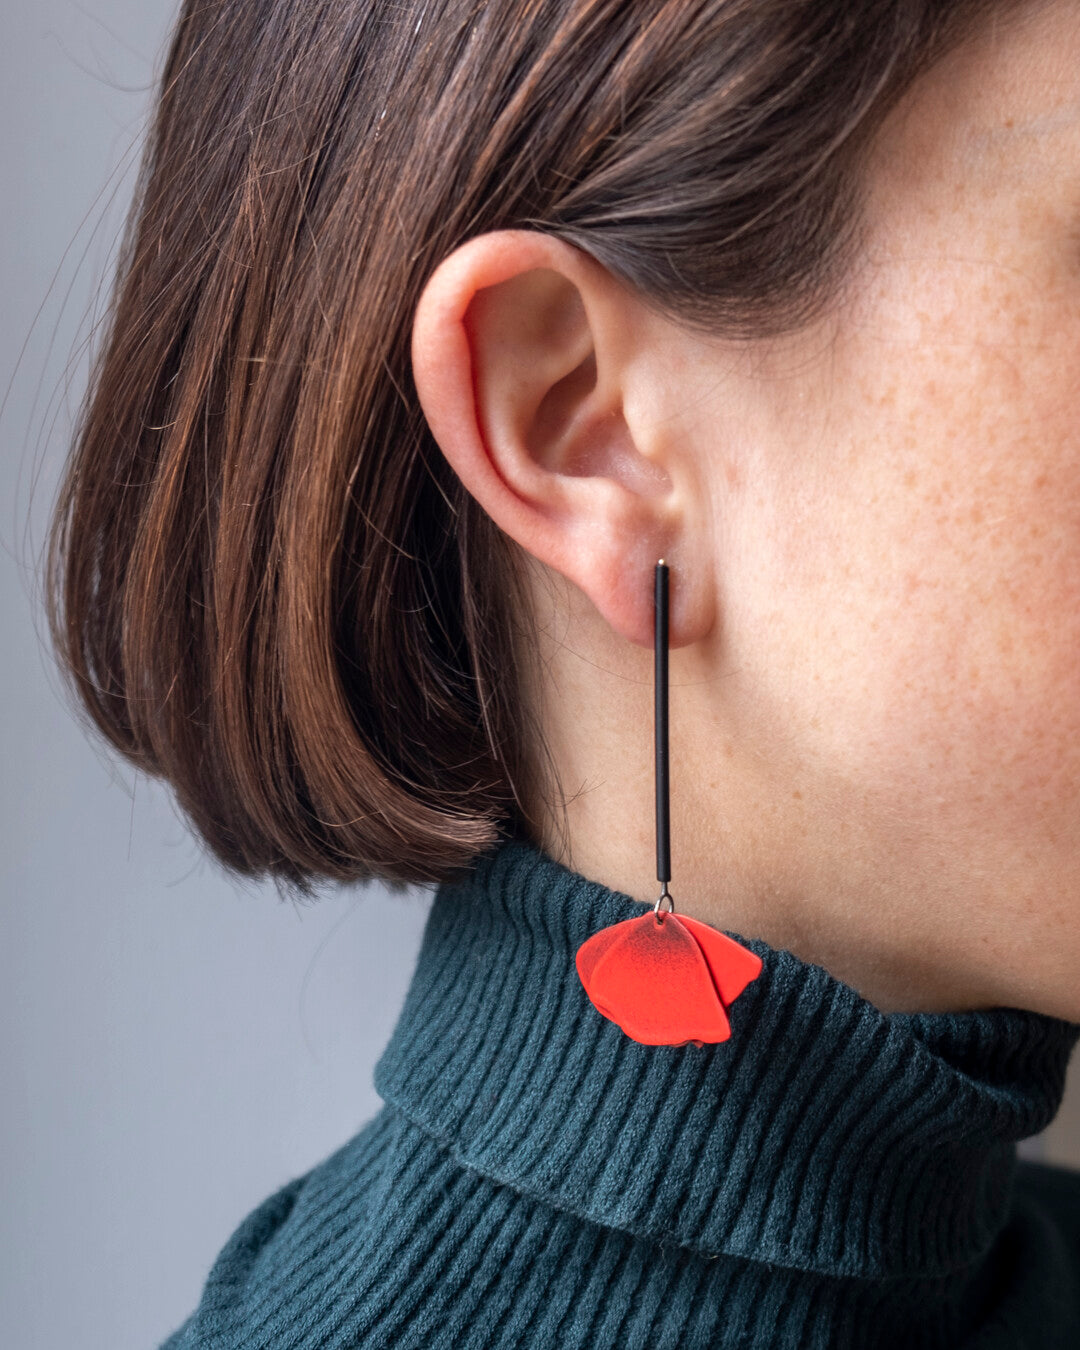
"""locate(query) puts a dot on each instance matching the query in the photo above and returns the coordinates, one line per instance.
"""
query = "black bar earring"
(660, 684)
(664, 978)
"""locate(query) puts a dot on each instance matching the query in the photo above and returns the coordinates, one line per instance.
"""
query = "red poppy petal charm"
(665, 981)
(731, 965)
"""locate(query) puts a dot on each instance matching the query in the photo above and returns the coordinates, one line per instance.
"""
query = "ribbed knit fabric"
(829, 1177)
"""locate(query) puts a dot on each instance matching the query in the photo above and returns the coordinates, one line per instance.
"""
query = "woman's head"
(426, 307)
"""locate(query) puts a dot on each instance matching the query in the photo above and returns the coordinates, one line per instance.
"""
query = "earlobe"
(521, 352)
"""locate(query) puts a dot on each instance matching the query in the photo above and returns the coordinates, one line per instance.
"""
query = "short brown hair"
(267, 585)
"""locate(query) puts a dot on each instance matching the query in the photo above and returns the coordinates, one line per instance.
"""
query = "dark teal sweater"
(829, 1177)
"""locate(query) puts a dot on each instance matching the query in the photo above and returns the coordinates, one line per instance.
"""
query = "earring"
(664, 978)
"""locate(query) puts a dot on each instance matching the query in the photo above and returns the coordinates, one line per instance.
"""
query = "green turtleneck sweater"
(831, 1176)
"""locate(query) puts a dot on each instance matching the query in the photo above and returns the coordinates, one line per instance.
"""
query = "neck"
(808, 860)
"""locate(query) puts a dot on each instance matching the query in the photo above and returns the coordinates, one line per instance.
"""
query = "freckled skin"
(876, 750)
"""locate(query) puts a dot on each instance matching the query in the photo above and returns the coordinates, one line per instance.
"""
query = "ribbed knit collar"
(824, 1136)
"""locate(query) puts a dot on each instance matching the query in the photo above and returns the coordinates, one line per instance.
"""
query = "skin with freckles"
(873, 527)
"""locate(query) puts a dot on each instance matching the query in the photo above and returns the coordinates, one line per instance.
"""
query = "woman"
(439, 324)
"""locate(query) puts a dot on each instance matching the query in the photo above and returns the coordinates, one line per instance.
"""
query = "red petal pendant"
(666, 980)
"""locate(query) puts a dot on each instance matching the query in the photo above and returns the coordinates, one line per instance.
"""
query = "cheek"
(929, 606)
(964, 685)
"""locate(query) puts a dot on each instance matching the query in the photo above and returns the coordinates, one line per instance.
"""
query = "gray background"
(175, 1047)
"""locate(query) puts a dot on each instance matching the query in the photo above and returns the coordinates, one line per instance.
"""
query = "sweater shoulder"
(278, 1267)
(395, 1243)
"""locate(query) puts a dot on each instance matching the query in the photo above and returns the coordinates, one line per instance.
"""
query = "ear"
(532, 365)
